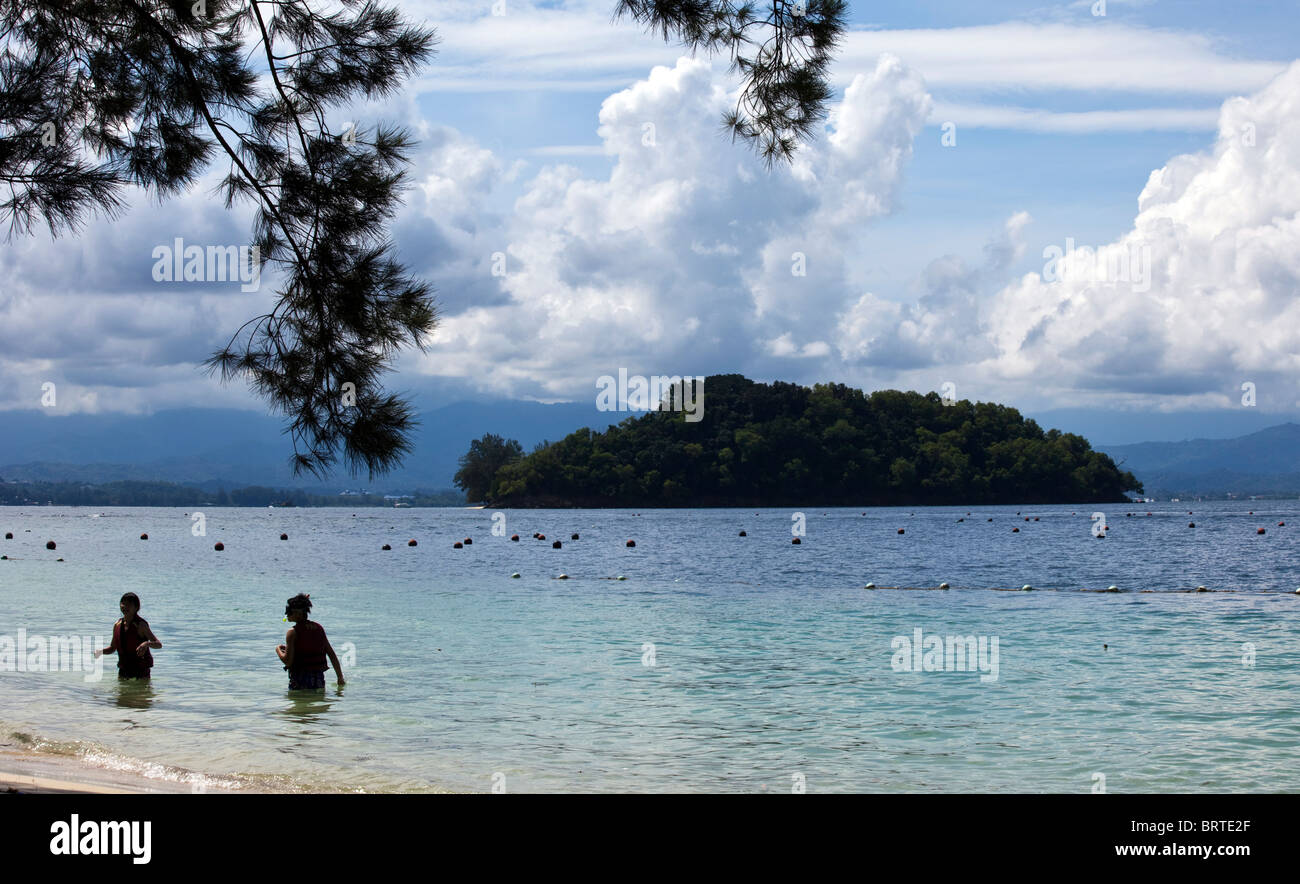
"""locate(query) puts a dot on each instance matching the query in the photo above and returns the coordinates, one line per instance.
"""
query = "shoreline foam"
(32, 772)
(33, 765)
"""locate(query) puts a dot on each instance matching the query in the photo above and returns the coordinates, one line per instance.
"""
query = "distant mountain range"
(214, 448)
(227, 448)
(1262, 463)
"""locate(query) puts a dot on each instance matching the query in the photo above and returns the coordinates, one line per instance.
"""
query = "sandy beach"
(24, 770)
(33, 773)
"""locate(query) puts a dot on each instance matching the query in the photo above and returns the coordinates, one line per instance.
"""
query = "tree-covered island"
(783, 444)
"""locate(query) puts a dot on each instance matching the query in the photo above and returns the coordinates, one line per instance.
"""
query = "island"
(783, 444)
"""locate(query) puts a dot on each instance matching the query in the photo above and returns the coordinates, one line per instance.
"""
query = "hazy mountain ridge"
(1263, 463)
(232, 448)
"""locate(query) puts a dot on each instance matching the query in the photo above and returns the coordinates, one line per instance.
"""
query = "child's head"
(130, 604)
(298, 607)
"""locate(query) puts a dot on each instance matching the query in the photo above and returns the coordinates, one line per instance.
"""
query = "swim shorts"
(306, 681)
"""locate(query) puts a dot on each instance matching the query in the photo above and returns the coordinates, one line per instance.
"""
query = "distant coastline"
(135, 493)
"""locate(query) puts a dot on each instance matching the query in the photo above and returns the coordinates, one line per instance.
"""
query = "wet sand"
(33, 773)
(24, 770)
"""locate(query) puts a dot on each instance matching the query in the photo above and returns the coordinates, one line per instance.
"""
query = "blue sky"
(1123, 130)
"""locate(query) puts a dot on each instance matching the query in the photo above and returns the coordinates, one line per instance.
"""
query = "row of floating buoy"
(517, 575)
(1100, 535)
(468, 541)
(51, 545)
(1030, 588)
(219, 546)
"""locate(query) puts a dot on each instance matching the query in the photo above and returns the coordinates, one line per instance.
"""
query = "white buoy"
(873, 586)
(1112, 588)
(620, 577)
(516, 574)
(943, 586)
(1026, 588)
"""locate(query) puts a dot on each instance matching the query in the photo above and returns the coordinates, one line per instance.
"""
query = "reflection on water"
(308, 707)
(134, 693)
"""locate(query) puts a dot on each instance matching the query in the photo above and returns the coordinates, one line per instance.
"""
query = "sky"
(1073, 213)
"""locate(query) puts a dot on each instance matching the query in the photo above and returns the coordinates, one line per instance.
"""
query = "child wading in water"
(132, 639)
(305, 648)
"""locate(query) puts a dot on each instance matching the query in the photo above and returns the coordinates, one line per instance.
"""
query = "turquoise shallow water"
(772, 665)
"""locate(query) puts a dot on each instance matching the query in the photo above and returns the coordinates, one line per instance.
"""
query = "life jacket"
(309, 647)
(128, 661)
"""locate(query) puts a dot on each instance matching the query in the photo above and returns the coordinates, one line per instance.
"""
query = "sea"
(698, 660)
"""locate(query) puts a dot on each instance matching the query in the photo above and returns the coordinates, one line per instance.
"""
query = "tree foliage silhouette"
(782, 55)
(101, 95)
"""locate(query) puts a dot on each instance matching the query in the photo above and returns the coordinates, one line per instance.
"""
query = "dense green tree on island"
(778, 444)
(480, 465)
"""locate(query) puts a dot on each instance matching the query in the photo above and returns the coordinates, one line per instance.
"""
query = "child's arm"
(111, 649)
(334, 661)
(285, 651)
(151, 642)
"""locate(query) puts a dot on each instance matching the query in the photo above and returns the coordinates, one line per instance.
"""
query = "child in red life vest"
(305, 648)
(132, 639)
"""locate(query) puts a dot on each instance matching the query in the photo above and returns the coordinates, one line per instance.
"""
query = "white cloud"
(977, 116)
(783, 346)
(577, 48)
(943, 327)
(84, 313)
(681, 258)
(579, 42)
(1097, 54)
(1210, 300)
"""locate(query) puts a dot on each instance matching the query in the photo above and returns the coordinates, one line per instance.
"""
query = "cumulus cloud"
(679, 253)
(84, 312)
(944, 325)
(689, 257)
(1213, 267)
(1198, 298)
